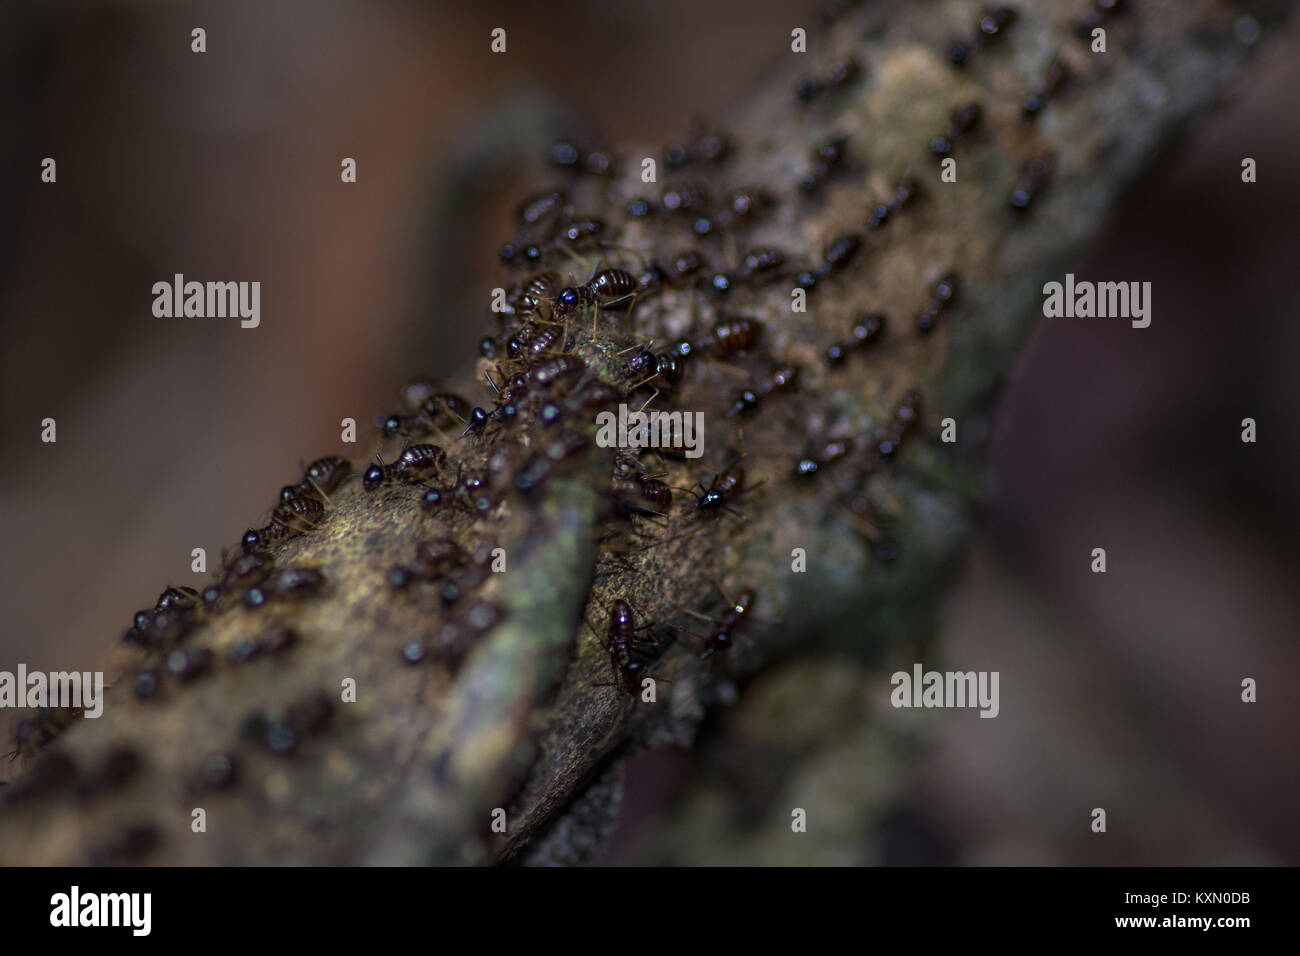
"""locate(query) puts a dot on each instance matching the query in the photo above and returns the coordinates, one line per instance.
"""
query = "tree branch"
(524, 719)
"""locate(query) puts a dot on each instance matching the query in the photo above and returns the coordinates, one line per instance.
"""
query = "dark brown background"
(174, 434)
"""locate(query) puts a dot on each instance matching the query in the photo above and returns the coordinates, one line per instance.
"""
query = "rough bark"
(411, 772)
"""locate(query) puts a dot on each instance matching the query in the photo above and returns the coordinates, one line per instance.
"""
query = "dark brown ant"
(964, 120)
(37, 731)
(569, 156)
(990, 25)
(687, 198)
(684, 266)
(747, 203)
(827, 157)
(275, 640)
(582, 232)
(843, 73)
(783, 378)
(762, 261)
(729, 336)
(1054, 78)
(247, 568)
(614, 286)
(540, 464)
(720, 637)
(298, 513)
(471, 490)
(630, 493)
(904, 418)
(839, 254)
(187, 664)
(281, 729)
(605, 288)
(941, 294)
(640, 207)
(326, 474)
(180, 597)
(663, 370)
(594, 395)
(170, 620)
(454, 639)
(416, 463)
(829, 453)
(993, 22)
(430, 412)
(727, 485)
(285, 583)
(544, 341)
(217, 772)
(1032, 177)
(536, 296)
(291, 517)
(434, 559)
(508, 399)
(628, 656)
(418, 460)
(711, 147)
(865, 332)
(905, 193)
(540, 206)
(563, 369)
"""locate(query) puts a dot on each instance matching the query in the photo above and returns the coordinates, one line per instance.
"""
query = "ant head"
(711, 500)
(391, 426)
(373, 477)
(477, 419)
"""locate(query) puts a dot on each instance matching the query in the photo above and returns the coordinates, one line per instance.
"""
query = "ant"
(411, 467)
(319, 478)
(727, 486)
(865, 332)
(941, 295)
(902, 421)
(843, 73)
(729, 336)
(783, 378)
(647, 488)
(428, 409)
(627, 652)
(963, 121)
(721, 637)
(32, 734)
(827, 157)
(289, 583)
(829, 453)
(1032, 176)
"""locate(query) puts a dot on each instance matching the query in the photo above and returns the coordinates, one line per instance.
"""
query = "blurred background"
(1118, 690)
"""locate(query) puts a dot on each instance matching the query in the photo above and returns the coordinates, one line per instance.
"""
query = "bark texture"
(525, 720)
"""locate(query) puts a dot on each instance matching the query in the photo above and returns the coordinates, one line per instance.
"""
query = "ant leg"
(595, 632)
(723, 591)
